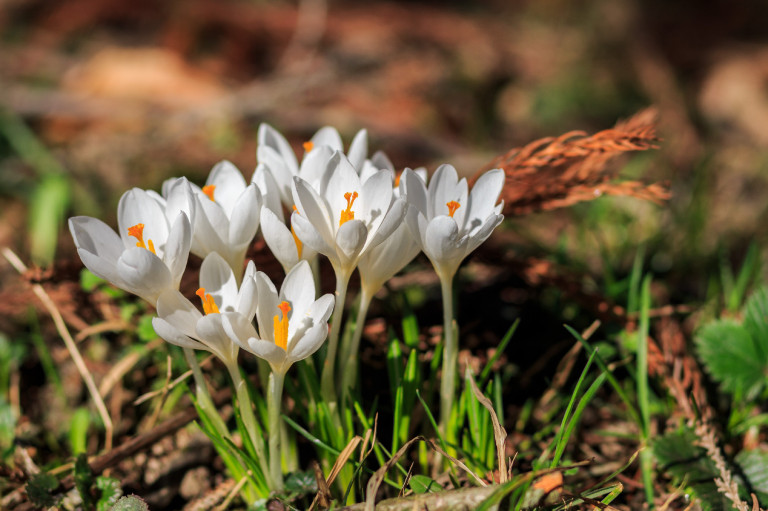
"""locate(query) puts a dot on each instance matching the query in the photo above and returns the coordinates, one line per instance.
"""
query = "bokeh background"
(124, 93)
(98, 96)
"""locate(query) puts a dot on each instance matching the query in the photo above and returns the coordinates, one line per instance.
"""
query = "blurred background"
(98, 96)
(102, 95)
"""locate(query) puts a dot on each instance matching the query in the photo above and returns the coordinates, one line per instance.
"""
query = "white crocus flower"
(283, 242)
(275, 154)
(345, 217)
(150, 253)
(446, 221)
(379, 264)
(449, 224)
(180, 322)
(223, 304)
(383, 261)
(342, 220)
(292, 324)
(227, 217)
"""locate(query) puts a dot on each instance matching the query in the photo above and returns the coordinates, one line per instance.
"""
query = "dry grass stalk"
(725, 483)
(557, 172)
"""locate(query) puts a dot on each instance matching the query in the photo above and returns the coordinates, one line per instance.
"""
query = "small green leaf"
(110, 490)
(756, 321)
(678, 454)
(144, 328)
(84, 480)
(40, 488)
(423, 484)
(732, 357)
(302, 483)
(754, 466)
(78, 430)
(130, 503)
(89, 281)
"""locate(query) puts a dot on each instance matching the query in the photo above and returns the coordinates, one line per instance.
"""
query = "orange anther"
(348, 214)
(137, 231)
(209, 305)
(308, 146)
(452, 207)
(208, 190)
(280, 325)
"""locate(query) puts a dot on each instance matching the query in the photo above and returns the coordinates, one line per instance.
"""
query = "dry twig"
(557, 172)
(61, 327)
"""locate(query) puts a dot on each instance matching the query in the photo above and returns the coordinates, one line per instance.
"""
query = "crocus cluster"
(346, 206)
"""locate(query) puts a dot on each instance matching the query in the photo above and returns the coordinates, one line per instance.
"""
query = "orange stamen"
(397, 179)
(348, 214)
(137, 231)
(308, 146)
(452, 207)
(281, 326)
(208, 190)
(209, 306)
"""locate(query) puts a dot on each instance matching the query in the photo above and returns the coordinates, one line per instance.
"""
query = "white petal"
(104, 268)
(218, 279)
(375, 200)
(392, 220)
(483, 232)
(443, 244)
(238, 328)
(308, 343)
(275, 355)
(176, 249)
(270, 193)
(417, 224)
(137, 207)
(267, 306)
(244, 219)
(180, 198)
(315, 165)
(94, 236)
(247, 297)
(441, 190)
(415, 191)
(229, 183)
(483, 197)
(279, 170)
(211, 225)
(279, 239)
(270, 137)
(308, 234)
(341, 180)
(145, 272)
(358, 149)
(210, 331)
(328, 136)
(298, 289)
(314, 210)
(381, 161)
(383, 261)
(178, 312)
(351, 238)
(322, 308)
(174, 336)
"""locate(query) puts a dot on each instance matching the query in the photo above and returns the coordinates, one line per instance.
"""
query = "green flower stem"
(352, 352)
(327, 383)
(203, 395)
(450, 355)
(274, 405)
(249, 420)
